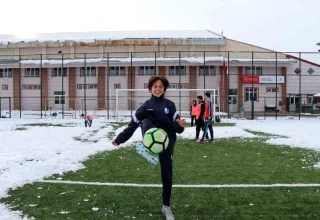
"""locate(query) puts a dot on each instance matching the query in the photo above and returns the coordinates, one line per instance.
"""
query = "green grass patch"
(84, 139)
(227, 161)
(21, 129)
(264, 134)
(45, 125)
(48, 201)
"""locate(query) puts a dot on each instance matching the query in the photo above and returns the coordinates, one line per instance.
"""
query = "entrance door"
(233, 103)
(59, 99)
(233, 100)
(293, 103)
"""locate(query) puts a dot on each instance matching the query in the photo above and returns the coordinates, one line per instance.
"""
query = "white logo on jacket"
(166, 110)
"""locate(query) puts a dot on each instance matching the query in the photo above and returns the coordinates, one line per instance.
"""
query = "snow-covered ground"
(30, 155)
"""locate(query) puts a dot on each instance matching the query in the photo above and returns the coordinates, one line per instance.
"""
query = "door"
(59, 99)
(233, 100)
(233, 103)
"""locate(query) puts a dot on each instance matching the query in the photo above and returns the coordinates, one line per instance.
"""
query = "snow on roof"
(112, 35)
(316, 95)
(191, 60)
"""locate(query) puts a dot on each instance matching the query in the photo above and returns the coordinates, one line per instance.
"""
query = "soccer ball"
(155, 140)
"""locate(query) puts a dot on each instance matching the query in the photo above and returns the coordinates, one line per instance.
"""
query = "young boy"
(161, 113)
(208, 117)
(200, 116)
(87, 119)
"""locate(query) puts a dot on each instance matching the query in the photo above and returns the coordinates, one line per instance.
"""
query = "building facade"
(83, 70)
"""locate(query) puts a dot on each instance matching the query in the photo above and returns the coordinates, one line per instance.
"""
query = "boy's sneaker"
(196, 139)
(212, 140)
(143, 151)
(167, 211)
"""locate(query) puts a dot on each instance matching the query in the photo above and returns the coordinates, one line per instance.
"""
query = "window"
(87, 86)
(58, 72)
(117, 86)
(273, 90)
(32, 72)
(208, 71)
(59, 98)
(256, 70)
(91, 71)
(251, 94)
(295, 100)
(233, 91)
(146, 71)
(117, 71)
(174, 71)
(5, 87)
(31, 87)
(184, 86)
(172, 86)
(5, 73)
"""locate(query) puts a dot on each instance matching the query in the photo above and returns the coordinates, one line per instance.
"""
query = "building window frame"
(117, 86)
(272, 90)
(5, 73)
(249, 94)
(174, 71)
(207, 71)
(57, 72)
(147, 71)
(117, 71)
(5, 87)
(91, 71)
(87, 86)
(32, 72)
(31, 87)
(257, 70)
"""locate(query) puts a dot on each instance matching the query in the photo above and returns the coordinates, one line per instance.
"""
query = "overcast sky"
(282, 25)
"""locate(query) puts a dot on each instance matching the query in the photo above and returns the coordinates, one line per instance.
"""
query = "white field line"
(183, 186)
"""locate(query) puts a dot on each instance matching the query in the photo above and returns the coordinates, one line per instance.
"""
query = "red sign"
(249, 79)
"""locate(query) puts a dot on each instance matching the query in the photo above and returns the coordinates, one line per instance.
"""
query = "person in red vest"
(201, 107)
(193, 111)
(87, 119)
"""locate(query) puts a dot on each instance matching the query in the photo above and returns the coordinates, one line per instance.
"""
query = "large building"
(95, 64)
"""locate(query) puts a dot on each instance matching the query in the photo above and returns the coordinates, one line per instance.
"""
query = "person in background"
(208, 118)
(200, 116)
(193, 111)
(87, 119)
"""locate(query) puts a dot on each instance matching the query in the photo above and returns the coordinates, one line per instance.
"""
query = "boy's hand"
(115, 143)
(181, 122)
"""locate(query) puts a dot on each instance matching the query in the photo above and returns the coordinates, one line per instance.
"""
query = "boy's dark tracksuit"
(161, 113)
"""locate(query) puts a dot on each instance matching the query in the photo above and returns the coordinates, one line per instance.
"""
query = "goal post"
(181, 99)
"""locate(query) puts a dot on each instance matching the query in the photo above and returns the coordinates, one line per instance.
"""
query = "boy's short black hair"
(207, 94)
(154, 79)
(199, 97)
(82, 115)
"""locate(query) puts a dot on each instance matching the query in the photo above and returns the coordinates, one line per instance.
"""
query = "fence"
(264, 84)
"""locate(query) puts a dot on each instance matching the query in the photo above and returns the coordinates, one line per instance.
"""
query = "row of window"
(114, 71)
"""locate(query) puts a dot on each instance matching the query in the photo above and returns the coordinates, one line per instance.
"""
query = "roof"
(316, 95)
(112, 35)
(146, 60)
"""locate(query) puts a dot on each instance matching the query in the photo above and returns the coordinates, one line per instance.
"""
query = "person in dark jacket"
(193, 111)
(161, 113)
(201, 107)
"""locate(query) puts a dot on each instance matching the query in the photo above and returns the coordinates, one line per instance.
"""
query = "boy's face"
(157, 89)
(206, 97)
(199, 100)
